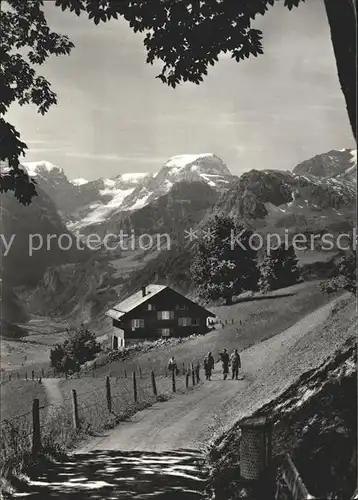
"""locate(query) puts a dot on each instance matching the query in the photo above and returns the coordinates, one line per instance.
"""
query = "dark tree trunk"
(228, 300)
(342, 16)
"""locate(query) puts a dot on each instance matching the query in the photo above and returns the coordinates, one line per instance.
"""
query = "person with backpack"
(235, 362)
(208, 365)
(224, 356)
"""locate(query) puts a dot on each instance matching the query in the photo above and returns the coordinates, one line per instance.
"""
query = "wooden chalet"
(156, 311)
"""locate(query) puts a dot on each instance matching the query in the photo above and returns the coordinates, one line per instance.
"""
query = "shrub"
(80, 346)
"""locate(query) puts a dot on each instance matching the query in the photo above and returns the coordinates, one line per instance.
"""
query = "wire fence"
(89, 404)
(90, 369)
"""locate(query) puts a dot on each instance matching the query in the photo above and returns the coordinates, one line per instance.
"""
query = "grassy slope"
(17, 397)
(316, 411)
(260, 318)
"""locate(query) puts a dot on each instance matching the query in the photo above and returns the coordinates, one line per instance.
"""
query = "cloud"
(35, 142)
(136, 157)
(43, 150)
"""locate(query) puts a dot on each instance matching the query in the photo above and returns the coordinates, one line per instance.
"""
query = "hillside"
(182, 207)
(88, 206)
(291, 375)
(314, 418)
(339, 164)
(31, 226)
(277, 199)
(267, 201)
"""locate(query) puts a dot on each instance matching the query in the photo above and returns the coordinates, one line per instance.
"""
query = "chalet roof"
(137, 299)
(112, 313)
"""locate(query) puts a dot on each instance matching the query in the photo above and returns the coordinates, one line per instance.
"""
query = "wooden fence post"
(18, 376)
(33, 375)
(125, 373)
(135, 388)
(187, 380)
(43, 373)
(26, 376)
(193, 374)
(173, 380)
(108, 395)
(183, 368)
(293, 480)
(36, 429)
(154, 384)
(9, 377)
(76, 421)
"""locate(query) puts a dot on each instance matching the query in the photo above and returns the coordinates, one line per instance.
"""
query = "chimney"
(143, 291)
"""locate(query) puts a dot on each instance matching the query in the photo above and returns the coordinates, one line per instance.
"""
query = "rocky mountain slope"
(85, 205)
(318, 194)
(339, 164)
(182, 207)
(34, 231)
(12, 312)
(184, 194)
(77, 199)
(85, 289)
(273, 201)
(206, 168)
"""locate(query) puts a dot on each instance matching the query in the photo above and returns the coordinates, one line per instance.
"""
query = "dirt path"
(191, 420)
(158, 453)
(54, 395)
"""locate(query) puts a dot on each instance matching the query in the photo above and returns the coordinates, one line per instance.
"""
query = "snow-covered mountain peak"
(203, 163)
(79, 182)
(133, 177)
(37, 167)
(180, 161)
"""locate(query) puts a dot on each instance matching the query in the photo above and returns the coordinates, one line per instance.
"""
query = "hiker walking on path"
(208, 365)
(235, 362)
(224, 356)
(172, 365)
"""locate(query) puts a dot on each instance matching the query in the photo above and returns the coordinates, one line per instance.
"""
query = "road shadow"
(104, 475)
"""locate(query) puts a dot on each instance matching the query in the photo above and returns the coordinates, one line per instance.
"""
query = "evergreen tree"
(279, 269)
(224, 264)
(290, 271)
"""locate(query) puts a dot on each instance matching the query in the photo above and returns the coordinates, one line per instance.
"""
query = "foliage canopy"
(186, 35)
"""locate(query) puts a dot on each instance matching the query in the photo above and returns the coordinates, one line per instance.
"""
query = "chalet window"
(164, 332)
(165, 315)
(182, 307)
(137, 323)
(184, 321)
(150, 307)
(195, 321)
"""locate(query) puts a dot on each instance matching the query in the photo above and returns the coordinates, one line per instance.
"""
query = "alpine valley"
(77, 285)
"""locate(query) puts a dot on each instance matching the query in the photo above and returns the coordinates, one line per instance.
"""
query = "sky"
(113, 116)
